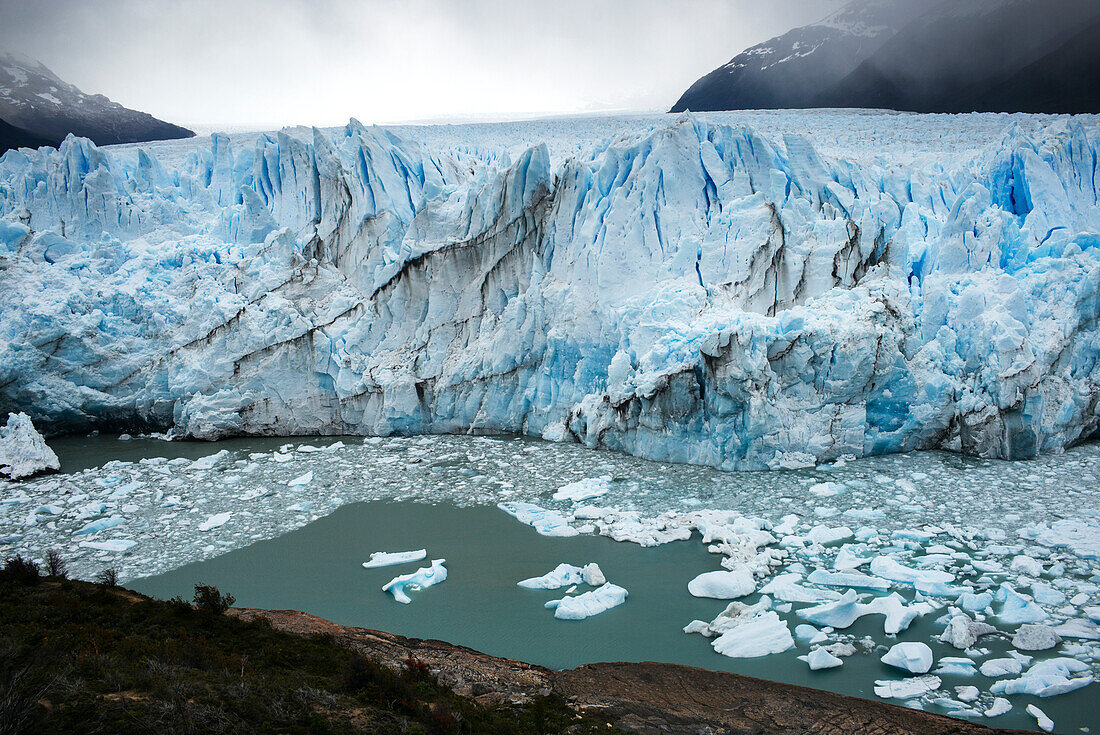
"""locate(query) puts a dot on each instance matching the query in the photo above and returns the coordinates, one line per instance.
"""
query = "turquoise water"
(318, 569)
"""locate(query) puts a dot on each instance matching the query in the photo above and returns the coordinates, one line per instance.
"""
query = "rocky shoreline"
(637, 697)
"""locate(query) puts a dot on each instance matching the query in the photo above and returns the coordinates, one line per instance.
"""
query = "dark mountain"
(921, 55)
(34, 99)
(13, 137)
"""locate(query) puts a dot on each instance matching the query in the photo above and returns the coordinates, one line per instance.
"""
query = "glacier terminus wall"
(693, 289)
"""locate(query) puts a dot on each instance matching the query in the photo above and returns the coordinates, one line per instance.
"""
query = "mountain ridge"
(47, 108)
(924, 56)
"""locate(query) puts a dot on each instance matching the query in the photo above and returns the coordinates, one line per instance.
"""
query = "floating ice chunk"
(1078, 628)
(956, 666)
(825, 535)
(400, 586)
(18, 497)
(52, 510)
(391, 558)
(1027, 565)
(303, 506)
(1017, 609)
(999, 707)
(998, 667)
(907, 688)
(207, 462)
(967, 693)
(898, 614)
(723, 585)
(916, 658)
(785, 587)
(849, 557)
(545, 522)
(827, 489)
(590, 603)
(101, 525)
(1047, 595)
(253, 493)
(838, 614)
(565, 575)
(1045, 723)
(887, 568)
(847, 579)
(805, 632)
(1035, 638)
(215, 521)
(301, 480)
(975, 602)
(111, 545)
(819, 659)
(963, 632)
(759, 635)
(280, 457)
(590, 487)
(23, 451)
(1047, 679)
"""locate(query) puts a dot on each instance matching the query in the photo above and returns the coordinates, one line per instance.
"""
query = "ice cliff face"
(700, 293)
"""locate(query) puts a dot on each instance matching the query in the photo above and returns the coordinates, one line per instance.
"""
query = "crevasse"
(699, 293)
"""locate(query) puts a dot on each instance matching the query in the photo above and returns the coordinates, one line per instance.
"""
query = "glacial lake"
(440, 493)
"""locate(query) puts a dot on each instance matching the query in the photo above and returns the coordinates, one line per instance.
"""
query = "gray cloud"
(280, 62)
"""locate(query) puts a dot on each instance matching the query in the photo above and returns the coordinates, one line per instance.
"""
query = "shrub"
(55, 565)
(209, 599)
(21, 570)
(108, 577)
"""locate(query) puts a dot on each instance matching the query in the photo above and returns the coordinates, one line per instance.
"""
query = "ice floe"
(392, 558)
(401, 586)
(588, 604)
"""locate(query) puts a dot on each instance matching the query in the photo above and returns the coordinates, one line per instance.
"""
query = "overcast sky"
(276, 62)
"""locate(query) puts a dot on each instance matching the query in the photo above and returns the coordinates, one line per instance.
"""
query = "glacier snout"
(692, 292)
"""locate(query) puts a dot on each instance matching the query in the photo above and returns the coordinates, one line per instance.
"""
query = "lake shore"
(637, 697)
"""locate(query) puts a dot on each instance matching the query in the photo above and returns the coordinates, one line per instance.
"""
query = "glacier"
(743, 292)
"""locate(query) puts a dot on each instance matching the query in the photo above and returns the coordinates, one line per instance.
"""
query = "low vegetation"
(81, 657)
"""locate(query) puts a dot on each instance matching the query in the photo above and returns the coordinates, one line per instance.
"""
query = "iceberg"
(23, 451)
(907, 688)
(545, 522)
(587, 604)
(392, 558)
(215, 521)
(723, 585)
(591, 487)
(401, 586)
(680, 290)
(758, 635)
(819, 659)
(566, 575)
(916, 658)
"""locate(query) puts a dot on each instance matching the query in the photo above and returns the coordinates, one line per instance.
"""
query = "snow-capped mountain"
(37, 101)
(681, 290)
(921, 55)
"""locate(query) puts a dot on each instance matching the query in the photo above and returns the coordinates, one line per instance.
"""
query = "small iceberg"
(566, 575)
(588, 604)
(391, 558)
(215, 521)
(723, 585)
(590, 487)
(546, 522)
(399, 587)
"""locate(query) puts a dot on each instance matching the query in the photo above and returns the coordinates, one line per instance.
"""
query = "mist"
(277, 62)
